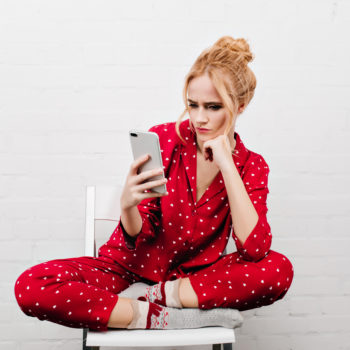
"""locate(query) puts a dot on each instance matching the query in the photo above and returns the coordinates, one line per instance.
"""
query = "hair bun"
(239, 46)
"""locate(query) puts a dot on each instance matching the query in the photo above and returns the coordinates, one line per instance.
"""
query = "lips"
(202, 129)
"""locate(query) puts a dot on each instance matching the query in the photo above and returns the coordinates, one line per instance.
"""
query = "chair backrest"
(102, 217)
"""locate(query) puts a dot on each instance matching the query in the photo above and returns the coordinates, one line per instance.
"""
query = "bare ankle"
(187, 295)
(121, 315)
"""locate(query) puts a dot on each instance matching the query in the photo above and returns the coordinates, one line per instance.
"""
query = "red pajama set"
(180, 237)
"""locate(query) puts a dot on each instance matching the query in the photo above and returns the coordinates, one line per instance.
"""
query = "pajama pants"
(81, 292)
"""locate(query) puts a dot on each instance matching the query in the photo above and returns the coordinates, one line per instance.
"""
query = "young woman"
(168, 248)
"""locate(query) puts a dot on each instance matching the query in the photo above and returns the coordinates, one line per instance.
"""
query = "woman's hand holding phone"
(137, 183)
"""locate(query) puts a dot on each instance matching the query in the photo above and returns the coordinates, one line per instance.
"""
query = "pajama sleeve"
(255, 179)
(150, 212)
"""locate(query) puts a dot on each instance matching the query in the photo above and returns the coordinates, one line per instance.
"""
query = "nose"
(201, 117)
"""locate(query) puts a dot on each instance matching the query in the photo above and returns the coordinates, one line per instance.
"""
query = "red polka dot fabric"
(78, 292)
(180, 237)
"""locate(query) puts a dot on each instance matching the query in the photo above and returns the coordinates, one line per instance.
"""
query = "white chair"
(102, 216)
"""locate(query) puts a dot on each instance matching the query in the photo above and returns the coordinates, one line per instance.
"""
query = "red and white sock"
(163, 293)
(148, 315)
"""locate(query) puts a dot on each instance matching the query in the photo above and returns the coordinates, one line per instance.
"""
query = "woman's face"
(206, 109)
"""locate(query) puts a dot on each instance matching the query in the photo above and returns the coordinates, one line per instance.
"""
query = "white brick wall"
(76, 75)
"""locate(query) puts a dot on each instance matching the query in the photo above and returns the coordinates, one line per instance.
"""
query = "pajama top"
(179, 234)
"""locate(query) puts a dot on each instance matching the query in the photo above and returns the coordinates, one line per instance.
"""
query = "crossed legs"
(229, 283)
(80, 292)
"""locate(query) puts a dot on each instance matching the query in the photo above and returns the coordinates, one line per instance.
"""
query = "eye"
(192, 105)
(215, 107)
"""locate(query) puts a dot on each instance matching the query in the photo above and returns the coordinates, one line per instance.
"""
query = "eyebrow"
(206, 103)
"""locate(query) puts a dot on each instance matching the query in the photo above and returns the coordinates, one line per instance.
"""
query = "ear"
(241, 108)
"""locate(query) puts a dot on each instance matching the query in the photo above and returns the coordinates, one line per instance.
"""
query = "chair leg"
(228, 346)
(85, 330)
(216, 346)
(84, 338)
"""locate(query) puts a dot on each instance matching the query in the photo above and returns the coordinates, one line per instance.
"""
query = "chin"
(206, 137)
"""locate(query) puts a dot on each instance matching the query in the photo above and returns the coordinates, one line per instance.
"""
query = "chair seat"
(159, 337)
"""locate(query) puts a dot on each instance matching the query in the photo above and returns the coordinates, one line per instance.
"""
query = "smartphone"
(147, 142)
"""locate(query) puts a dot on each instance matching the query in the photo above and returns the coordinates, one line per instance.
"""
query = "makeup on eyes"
(214, 105)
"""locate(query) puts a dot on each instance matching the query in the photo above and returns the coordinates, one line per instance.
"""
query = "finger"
(145, 175)
(138, 162)
(155, 194)
(150, 184)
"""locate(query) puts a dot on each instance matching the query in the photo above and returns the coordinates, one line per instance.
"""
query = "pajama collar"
(189, 155)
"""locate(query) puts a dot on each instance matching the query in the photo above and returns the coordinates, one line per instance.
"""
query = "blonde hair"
(226, 63)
